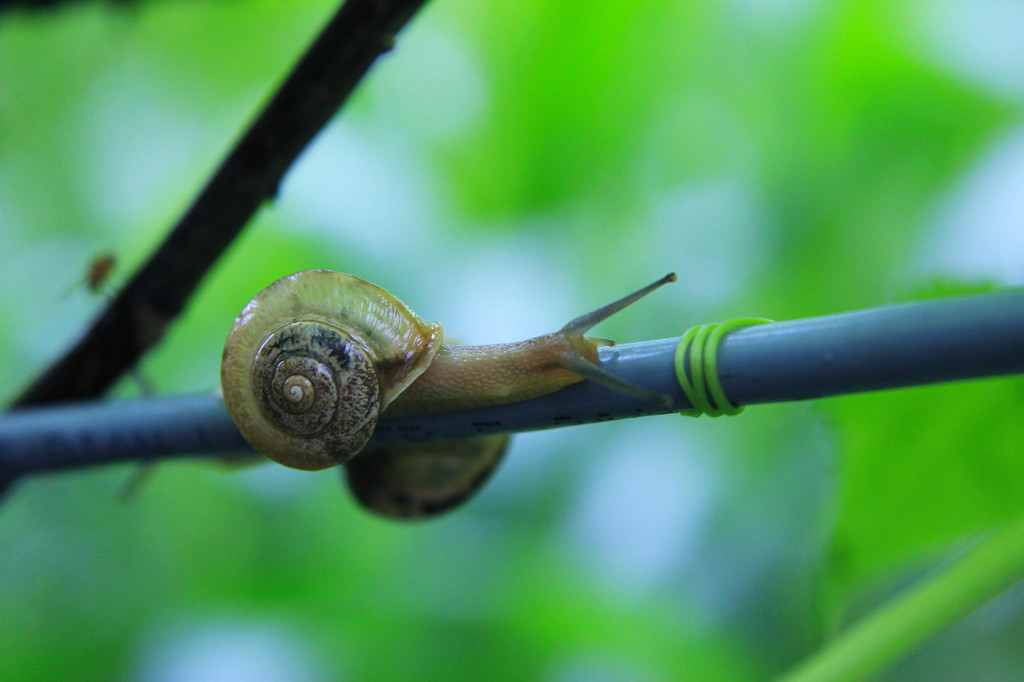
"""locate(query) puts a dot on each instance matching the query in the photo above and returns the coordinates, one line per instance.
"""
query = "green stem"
(889, 634)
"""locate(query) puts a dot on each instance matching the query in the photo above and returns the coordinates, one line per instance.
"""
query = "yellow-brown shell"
(420, 480)
(313, 359)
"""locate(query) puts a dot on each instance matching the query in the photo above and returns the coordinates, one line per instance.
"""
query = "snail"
(419, 480)
(315, 358)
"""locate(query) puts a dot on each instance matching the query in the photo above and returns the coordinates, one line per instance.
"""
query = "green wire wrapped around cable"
(696, 365)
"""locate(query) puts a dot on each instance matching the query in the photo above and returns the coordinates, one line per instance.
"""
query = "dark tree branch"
(137, 319)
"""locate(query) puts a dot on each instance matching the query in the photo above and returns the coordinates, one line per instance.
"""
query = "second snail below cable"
(314, 359)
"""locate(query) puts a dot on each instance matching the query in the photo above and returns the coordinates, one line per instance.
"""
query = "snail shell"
(313, 360)
(423, 479)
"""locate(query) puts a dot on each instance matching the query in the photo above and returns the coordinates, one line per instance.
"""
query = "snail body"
(465, 377)
(315, 358)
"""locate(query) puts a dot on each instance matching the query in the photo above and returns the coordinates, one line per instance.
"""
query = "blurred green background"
(508, 166)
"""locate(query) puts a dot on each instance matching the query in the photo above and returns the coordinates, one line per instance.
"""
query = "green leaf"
(921, 469)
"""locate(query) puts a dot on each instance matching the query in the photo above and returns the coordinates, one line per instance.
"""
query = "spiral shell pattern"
(313, 359)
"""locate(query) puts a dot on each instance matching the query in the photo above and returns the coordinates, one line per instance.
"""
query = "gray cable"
(903, 345)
